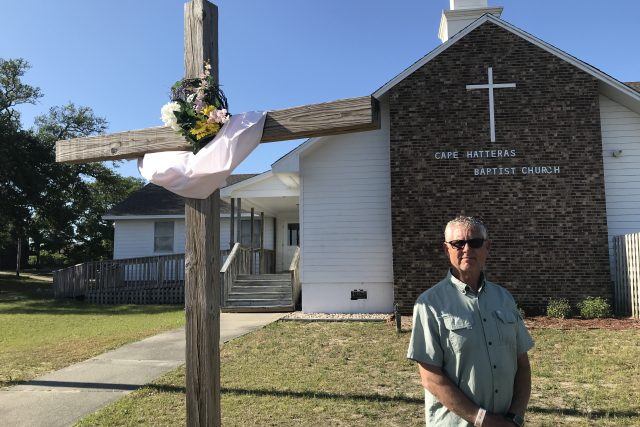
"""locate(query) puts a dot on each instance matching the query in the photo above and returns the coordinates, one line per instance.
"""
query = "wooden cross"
(202, 252)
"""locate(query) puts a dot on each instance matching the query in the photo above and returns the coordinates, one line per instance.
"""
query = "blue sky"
(120, 57)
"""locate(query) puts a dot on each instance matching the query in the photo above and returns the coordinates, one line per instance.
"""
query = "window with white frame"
(163, 236)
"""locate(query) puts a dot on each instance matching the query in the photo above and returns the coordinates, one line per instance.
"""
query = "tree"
(13, 92)
(18, 183)
(88, 190)
(58, 206)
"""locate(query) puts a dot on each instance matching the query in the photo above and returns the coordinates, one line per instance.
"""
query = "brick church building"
(493, 123)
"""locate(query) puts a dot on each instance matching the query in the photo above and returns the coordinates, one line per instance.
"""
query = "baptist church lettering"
(496, 154)
(525, 170)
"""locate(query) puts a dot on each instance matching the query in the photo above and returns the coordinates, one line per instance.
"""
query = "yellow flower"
(204, 129)
(206, 110)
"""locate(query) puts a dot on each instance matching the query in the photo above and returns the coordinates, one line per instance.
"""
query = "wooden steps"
(260, 293)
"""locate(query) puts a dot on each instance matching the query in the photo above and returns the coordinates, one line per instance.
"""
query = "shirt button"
(489, 342)
(484, 320)
(496, 390)
(495, 367)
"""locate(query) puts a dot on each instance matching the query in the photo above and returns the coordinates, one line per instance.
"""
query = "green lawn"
(356, 374)
(307, 374)
(39, 334)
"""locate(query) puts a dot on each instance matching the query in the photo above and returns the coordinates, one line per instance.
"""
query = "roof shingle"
(155, 200)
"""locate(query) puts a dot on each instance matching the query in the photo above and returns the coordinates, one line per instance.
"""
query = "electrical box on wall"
(358, 294)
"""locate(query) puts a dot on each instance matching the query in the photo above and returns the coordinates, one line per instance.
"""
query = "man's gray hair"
(469, 222)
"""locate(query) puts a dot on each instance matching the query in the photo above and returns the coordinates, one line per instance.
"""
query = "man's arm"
(443, 389)
(521, 386)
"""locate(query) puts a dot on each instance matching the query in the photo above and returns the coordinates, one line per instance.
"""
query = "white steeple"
(463, 13)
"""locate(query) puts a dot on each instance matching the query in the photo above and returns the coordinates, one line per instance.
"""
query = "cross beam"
(328, 118)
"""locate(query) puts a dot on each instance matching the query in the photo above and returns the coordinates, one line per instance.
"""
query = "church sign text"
(500, 170)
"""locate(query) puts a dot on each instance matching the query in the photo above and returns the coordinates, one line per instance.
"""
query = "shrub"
(594, 307)
(521, 312)
(558, 308)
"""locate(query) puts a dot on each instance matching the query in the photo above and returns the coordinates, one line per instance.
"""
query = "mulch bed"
(542, 322)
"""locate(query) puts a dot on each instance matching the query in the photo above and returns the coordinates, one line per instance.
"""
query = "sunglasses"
(473, 243)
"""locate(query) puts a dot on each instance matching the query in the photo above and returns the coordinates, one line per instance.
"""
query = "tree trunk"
(18, 256)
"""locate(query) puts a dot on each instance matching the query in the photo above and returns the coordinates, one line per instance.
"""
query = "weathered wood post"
(251, 266)
(232, 220)
(239, 235)
(202, 246)
(262, 263)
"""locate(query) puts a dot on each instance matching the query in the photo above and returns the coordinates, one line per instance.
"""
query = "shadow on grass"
(297, 394)
(587, 414)
(53, 307)
(383, 398)
(23, 295)
(48, 385)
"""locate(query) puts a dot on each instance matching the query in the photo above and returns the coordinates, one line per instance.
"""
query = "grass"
(307, 374)
(346, 374)
(39, 334)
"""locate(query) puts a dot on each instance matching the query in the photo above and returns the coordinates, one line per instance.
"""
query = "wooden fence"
(627, 283)
(148, 280)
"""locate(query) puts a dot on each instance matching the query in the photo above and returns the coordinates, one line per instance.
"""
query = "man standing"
(469, 340)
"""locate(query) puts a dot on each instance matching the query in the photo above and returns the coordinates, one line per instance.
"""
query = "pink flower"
(218, 116)
(199, 104)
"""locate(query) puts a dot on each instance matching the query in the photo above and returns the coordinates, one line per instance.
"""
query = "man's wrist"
(515, 419)
(480, 417)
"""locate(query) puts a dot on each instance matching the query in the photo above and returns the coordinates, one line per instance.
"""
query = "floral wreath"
(198, 109)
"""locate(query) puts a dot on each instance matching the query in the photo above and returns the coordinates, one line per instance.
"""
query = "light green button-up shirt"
(474, 338)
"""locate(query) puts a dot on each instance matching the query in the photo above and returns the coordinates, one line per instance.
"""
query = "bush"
(594, 307)
(49, 259)
(521, 312)
(558, 308)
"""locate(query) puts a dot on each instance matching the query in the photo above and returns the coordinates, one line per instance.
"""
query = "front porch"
(160, 280)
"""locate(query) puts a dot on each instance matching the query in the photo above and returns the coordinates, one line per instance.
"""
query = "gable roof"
(627, 94)
(156, 201)
(609, 86)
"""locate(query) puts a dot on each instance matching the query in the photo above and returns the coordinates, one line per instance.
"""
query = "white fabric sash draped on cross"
(197, 176)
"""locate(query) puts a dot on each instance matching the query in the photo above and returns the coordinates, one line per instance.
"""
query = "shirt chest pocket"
(507, 325)
(459, 331)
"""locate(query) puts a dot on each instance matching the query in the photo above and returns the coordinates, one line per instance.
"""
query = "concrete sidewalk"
(62, 397)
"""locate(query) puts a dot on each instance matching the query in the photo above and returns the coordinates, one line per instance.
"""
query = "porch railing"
(238, 262)
(156, 272)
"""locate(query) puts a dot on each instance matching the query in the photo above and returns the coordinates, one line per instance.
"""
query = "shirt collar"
(463, 287)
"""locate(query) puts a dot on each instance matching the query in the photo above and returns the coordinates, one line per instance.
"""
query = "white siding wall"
(346, 222)
(134, 238)
(621, 131)
(284, 253)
